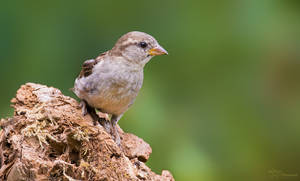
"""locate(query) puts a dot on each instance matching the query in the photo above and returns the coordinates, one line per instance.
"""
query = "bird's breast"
(117, 93)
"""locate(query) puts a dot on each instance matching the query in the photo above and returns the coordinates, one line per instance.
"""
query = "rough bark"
(49, 139)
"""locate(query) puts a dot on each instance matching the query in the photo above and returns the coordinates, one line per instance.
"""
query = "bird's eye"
(143, 44)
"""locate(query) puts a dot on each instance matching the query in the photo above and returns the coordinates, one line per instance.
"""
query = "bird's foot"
(83, 106)
(92, 112)
(116, 135)
(105, 124)
(111, 129)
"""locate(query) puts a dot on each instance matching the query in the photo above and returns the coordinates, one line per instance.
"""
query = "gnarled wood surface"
(49, 139)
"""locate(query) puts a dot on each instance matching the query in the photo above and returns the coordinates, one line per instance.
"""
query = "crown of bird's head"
(138, 47)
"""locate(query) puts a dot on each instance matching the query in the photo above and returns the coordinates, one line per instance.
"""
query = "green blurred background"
(222, 106)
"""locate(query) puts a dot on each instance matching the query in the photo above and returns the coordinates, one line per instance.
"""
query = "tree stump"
(49, 139)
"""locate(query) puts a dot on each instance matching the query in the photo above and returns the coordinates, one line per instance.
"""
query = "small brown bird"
(111, 82)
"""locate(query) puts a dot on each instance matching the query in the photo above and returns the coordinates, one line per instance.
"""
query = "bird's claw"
(105, 124)
(116, 135)
(84, 111)
(117, 139)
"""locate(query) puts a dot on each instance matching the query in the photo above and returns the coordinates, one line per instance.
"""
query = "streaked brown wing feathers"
(88, 65)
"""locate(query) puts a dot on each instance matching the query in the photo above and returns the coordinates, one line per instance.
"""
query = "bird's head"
(138, 47)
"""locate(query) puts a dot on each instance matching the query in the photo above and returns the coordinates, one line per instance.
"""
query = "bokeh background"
(222, 106)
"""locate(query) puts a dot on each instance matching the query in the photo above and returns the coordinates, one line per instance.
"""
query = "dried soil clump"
(49, 139)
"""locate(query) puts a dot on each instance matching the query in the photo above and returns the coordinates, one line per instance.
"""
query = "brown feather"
(88, 65)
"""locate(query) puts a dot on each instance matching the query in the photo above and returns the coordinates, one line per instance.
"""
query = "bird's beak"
(158, 51)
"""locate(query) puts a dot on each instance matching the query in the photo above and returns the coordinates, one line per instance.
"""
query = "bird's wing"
(88, 65)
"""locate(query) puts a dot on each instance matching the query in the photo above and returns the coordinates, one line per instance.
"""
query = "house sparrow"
(111, 82)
